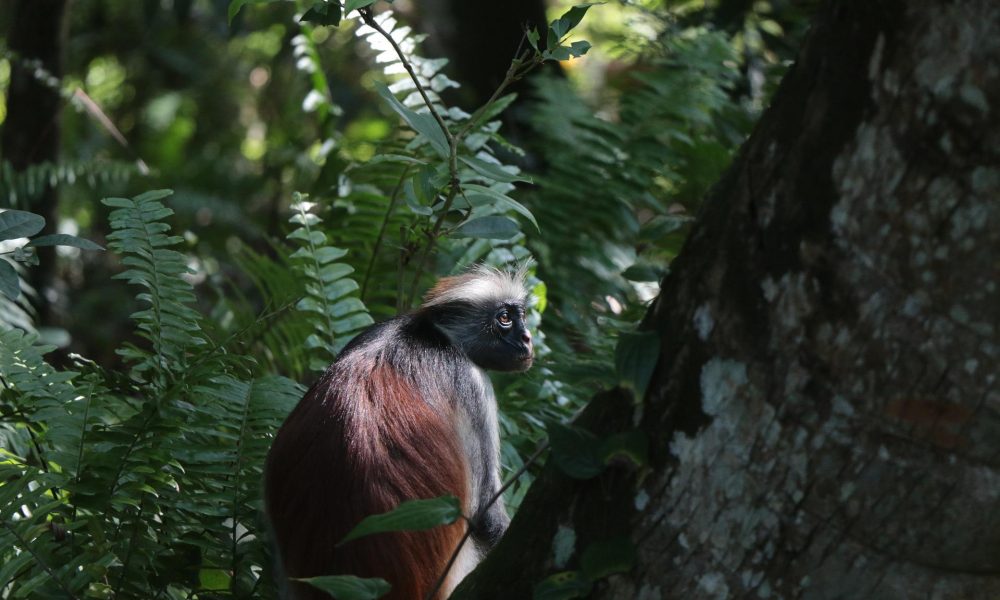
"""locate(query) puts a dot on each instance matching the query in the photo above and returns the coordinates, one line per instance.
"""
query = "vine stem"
(496, 496)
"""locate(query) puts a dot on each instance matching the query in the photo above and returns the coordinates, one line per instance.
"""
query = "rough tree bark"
(824, 419)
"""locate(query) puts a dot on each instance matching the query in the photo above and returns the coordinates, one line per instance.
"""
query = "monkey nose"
(526, 336)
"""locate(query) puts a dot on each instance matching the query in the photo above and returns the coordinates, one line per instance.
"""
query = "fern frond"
(331, 295)
(19, 188)
(169, 322)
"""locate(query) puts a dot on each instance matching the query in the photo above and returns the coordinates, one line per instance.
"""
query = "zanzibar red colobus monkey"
(405, 412)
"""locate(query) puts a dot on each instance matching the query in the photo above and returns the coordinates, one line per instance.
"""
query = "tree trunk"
(824, 419)
(31, 128)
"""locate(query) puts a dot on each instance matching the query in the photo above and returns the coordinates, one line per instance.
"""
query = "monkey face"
(501, 341)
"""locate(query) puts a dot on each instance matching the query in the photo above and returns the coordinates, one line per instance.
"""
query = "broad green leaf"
(356, 4)
(349, 587)
(635, 358)
(18, 223)
(642, 272)
(9, 283)
(214, 579)
(492, 171)
(570, 19)
(488, 228)
(562, 586)
(504, 201)
(580, 48)
(422, 123)
(575, 451)
(608, 557)
(413, 515)
(62, 239)
(559, 53)
(323, 13)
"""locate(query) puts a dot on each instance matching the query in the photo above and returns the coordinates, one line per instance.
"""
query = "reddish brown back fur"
(343, 458)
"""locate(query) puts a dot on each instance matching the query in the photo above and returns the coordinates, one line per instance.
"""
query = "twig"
(468, 532)
(393, 200)
(369, 18)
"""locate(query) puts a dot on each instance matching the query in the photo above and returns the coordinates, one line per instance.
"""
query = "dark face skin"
(504, 344)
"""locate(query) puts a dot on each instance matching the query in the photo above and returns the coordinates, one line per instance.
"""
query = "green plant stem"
(27, 547)
(369, 18)
(393, 201)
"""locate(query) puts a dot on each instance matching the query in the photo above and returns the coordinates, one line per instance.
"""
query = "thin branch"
(468, 532)
(369, 18)
(393, 200)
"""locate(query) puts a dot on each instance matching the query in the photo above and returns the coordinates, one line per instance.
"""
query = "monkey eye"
(503, 318)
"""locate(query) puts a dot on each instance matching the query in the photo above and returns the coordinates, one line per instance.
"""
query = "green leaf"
(413, 515)
(504, 201)
(570, 19)
(580, 48)
(608, 557)
(422, 123)
(559, 53)
(234, 8)
(323, 13)
(18, 223)
(635, 358)
(492, 171)
(356, 4)
(575, 451)
(562, 586)
(62, 239)
(642, 272)
(349, 587)
(533, 37)
(628, 446)
(10, 285)
(214, 579)
(488, 228)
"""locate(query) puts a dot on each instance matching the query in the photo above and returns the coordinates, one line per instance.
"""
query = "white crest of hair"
(480, 285)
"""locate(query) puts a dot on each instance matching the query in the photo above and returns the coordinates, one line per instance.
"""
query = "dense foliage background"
(140, 385)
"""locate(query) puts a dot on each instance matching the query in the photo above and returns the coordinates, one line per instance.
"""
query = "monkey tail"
(360, 442)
